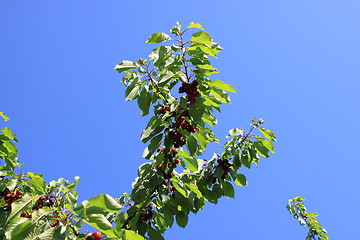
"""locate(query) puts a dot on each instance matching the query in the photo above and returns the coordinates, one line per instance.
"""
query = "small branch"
(246, 136)
(148, 74)
(183, 55)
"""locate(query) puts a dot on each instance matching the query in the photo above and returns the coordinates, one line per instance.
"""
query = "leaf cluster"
(296, 207)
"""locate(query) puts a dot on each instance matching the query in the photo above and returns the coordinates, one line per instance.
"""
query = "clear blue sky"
(294, 63)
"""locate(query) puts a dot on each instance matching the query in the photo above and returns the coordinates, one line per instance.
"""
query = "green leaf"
(159, 55)
(210, 196)
(267, 144)
(38, 182)
(240, 180)
(21, 230)
(195, 25)
(104, 201)
(203, 141)
(152, 129)
(202, 37)
(8, 133)
(160, 221)
(6, 118)
(261, 149)
(46, 234)
(197, 110)
(176, 29)
(235, 131)
(180, 189)
(100, 222)
(221, 85)
(191, 162)
(210, 119)
(194, 189)
(192, 145)
(268, 133)
(166, 77)
(133, 90)
(158, 38)
(19, 206)
(205, 66)
(209, 51)
(154, 144)
(228, 189)
(144, 101)
(181, 219)
(219, 94)
(131, 235)
(154, 234)
(125, 66)
(169, 218)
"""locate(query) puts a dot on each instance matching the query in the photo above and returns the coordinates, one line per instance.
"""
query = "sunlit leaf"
(125, 66)
(201, 37)
(195, 25)
(221, 85)
(158, 38)
(6, 118)
(104, 201)
(240, 180)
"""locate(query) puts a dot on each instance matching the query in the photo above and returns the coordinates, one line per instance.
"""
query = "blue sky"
(294, 63)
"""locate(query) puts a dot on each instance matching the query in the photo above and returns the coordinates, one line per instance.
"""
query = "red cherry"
(54, 224)
(177, 161)
(150, 206)
(184, 125)
(178, 123)
(97, 235)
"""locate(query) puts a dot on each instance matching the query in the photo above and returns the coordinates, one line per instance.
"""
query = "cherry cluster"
(178, 138)
(54, 224)
(45, 200)
(166, 183)
(148, 215)
(165, 109)
(10, 196)
(25, 215)
(181, 122)
(191, 90)
(226, 165)
(172, 162)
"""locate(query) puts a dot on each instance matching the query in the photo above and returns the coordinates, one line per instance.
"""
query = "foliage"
(175, 179)
(307, 219)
